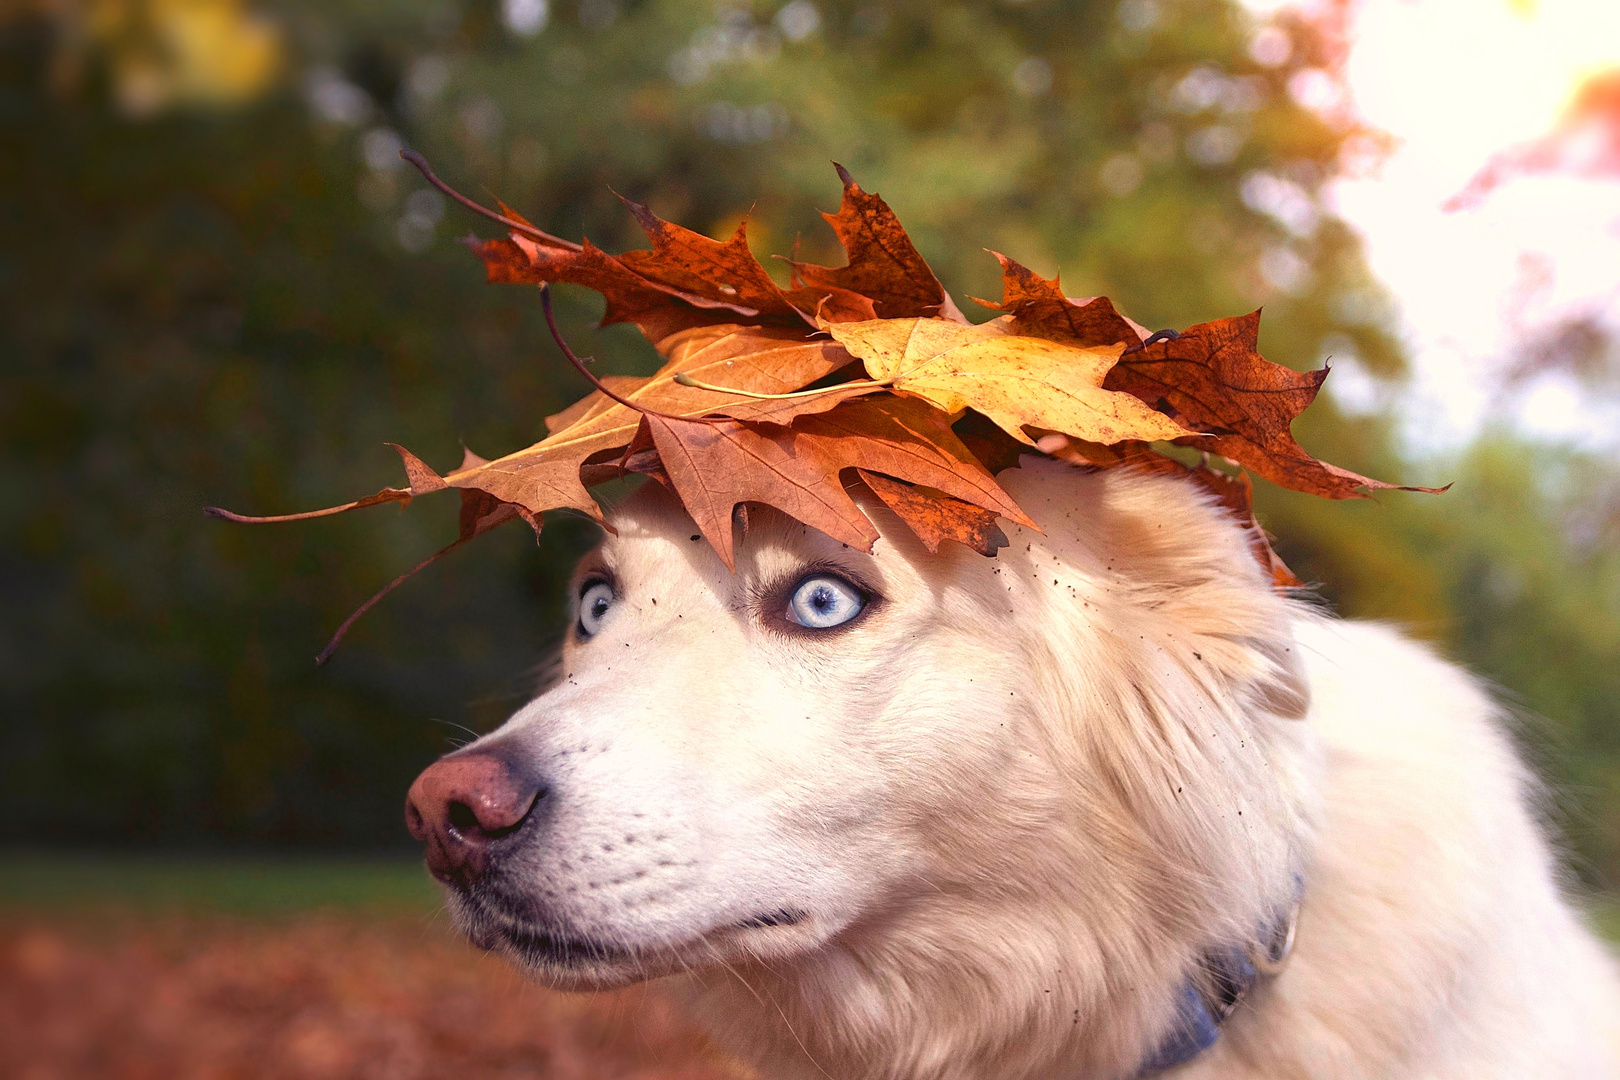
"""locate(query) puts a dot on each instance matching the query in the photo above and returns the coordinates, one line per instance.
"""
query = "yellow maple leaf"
(1016, 381)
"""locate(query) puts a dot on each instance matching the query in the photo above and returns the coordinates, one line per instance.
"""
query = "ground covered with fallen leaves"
(162, 996)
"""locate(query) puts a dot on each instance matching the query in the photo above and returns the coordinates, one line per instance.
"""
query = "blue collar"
(1213, 993)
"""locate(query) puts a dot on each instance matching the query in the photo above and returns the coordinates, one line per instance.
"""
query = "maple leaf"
(688, 279)
(1014, 380)
(1213, 379)
(883, 264)
(909, 440)
(936, 517)
(657, 309)
(1039, 309)
(728, 273)
(715, 467)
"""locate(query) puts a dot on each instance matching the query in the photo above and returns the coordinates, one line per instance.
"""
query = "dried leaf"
(883, 263)
(688, 279)
(716, 467)
(759, 360)
(936, 517)
(1039, 309)
(656, 308)
(904, 438)
(767, 412)
(1213, 379)
(1016, 381)
(722, 272)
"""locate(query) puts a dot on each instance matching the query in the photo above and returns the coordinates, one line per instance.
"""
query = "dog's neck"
(1035, 993)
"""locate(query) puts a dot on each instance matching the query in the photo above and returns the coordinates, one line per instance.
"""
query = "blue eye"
(593, 605)
(822, 602)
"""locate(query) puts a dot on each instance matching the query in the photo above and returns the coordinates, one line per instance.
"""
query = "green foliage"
(239, 306)
(258, 886)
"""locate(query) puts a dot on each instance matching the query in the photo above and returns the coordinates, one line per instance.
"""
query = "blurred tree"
(215, 302)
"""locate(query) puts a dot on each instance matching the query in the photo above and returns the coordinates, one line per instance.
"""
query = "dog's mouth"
(537, 946)
(541, 948)
(569, 958)
(781, 917)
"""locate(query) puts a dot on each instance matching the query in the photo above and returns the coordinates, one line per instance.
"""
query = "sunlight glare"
(1456, 81)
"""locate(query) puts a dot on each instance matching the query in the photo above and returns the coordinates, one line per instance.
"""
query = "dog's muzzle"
(464, 806)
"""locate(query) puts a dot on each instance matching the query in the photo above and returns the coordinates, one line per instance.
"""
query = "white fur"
(1021, 797)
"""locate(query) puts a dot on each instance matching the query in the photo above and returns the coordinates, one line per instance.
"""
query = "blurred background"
(220, 286)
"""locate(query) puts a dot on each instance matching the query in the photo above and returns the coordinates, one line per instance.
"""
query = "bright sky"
(1455, 81)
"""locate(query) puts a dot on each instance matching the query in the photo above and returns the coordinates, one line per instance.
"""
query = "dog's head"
(828, 744)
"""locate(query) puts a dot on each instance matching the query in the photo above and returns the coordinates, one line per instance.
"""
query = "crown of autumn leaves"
(865, 375)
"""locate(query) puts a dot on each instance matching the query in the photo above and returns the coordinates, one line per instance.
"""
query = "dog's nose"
(462, 804)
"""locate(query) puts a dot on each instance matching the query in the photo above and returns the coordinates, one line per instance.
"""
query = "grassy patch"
(263, 885)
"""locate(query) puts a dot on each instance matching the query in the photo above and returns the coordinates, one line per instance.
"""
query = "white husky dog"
(1057, 814)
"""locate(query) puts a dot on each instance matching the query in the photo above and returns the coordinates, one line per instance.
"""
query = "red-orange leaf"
(1213, 379)
(883, 263)
(908, 439)
(1039, 309)
(716, 467)
(936, 517)
(722, 272)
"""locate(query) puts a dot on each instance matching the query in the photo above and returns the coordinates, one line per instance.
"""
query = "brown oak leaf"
(883, 264)
(1039, 309)
(797, 469)
(1213, 379)
(936, 517)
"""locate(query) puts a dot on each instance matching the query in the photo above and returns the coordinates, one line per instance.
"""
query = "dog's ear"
(1189, 563)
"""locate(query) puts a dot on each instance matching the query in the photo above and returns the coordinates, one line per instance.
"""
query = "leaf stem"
(516, 226)
(331, 646)
(579, 366)
(686, 380)
(1152, 339)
